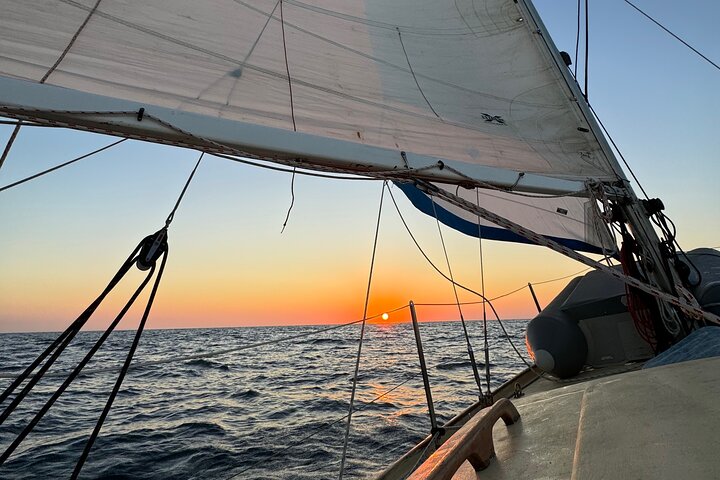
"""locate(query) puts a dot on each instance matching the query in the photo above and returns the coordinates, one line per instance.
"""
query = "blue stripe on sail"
(423, 203)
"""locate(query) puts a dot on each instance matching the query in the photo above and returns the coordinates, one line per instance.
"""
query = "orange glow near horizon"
(235, 298)
(224, 274)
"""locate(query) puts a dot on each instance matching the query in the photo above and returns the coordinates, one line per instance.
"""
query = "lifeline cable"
(239, 347)
(422, 454)
(430, 262)
(362, 333)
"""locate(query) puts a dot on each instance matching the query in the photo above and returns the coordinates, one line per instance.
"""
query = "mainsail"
(464, 81)
(363, 85)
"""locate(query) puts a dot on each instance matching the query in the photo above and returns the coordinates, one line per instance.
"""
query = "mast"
(660, 271)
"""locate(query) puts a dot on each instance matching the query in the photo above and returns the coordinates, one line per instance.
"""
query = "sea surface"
(206, 403)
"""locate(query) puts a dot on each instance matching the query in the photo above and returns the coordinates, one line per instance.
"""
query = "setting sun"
(385, 316)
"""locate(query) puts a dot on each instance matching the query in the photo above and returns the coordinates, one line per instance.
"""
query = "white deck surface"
(660, 423)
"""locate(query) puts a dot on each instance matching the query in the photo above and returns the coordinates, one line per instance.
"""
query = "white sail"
(570, 221)
(464, 81)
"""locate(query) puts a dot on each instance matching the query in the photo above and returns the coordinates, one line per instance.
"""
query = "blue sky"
(66, 233)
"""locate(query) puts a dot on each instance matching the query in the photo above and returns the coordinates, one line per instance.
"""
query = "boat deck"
(662, 422)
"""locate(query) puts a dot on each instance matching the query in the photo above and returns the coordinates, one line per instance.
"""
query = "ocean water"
(276, 411)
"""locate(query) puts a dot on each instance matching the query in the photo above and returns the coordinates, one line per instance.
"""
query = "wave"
(459, 365)
(215, 417)
(246, 394)
(202, 363)
(327, 341)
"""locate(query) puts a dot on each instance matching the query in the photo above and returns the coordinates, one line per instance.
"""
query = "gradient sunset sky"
(65, 234)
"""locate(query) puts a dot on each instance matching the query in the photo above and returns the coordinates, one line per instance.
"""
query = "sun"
(385, 316)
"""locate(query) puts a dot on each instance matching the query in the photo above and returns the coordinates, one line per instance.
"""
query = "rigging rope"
(170, 217)
(510, 190)
(470, 351)
(294, 169)
(9, 143)
(66, 337)
(71, 43)
(673, 35)
(76, 371)
(123, 371)
(69, 162)
(412, 72)
(287, 66)
(59, 344)
(292, 200)
(440, 272)
(687, 307)
(217, 148)
(577, 40)
(144, 256)
(587, 47)
(362, 334)
(16, 130)
(484, 299)
(486, 345)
